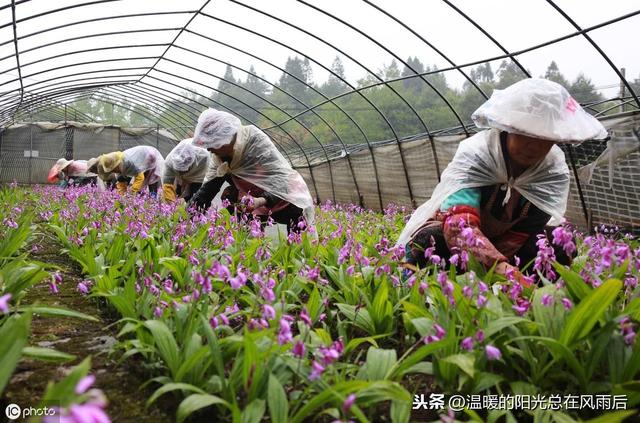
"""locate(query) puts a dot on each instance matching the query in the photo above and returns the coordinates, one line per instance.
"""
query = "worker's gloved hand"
(169, 192)
(512, 273)
(121, 188)
(137, 183)
(255, 203)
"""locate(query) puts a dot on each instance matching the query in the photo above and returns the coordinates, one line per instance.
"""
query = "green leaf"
(418, 355)
(254, 411)
(497, 325)
(177, 266)
(165, 343)
(484, 381)
(360, 317)
(465, 362)
(578, 288)
(47, 354)
(277, 399)
(172, 387)
(400, 411)
(356, 342)
(191, 362)
(60, 312)
(379, 363)
(14, 333)
(195, 402)
(591, 309)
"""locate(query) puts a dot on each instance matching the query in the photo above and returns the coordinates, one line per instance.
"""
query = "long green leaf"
(379, 363)
(574, 282)
(60, 312)
(277, 399)
(586, 314)
(172, 387)
(166, 344)
(14, 333)
(47, 354)
(196, 402)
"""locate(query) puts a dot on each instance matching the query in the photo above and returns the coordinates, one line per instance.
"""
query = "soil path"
(119, 382)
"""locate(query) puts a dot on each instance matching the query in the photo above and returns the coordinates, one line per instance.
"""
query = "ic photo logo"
(13, 411)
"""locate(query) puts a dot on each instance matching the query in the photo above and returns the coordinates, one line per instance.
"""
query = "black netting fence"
(27, 152)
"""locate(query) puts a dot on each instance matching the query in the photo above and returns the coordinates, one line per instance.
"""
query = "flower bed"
(246, 325)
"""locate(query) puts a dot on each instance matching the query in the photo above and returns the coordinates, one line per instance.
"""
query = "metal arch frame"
(90, 95)
(598, 49)
(107, 100)
(489, 59)
(15, 107)
(184, 27)
(393, 131)
(53, 103)
(17, 51)
(158, 59)
(445, 57)
(78, 93)
(11, 110)
(489, 36)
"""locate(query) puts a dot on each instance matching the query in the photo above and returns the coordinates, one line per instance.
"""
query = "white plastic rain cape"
(187, 163)
(479, 162)
(539, 108)
(257, 160)
(78, 168)
(143, 158)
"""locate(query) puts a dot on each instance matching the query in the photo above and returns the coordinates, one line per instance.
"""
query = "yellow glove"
(169, 191)
(121, 188)
(137, 183)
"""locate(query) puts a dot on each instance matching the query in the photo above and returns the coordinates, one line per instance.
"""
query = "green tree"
(554, 74)
(508, 74)
(583, 90)
(334, 84)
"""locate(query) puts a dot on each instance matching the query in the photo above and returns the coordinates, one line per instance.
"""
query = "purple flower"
(348, 403)
(564, 238)
(492, 352)
(298, 349)
(316, 370)
(82, 288)
(467, 291)
(157, 312)
(268, 312)
(440, 332)
(480, 336)
(84, 384)
(467, 343)
(304, 316)
(4, 303)
(331, 353)
(482, 300)
(284, 335)
(88, 413)
(567, 303)
(547, 300)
